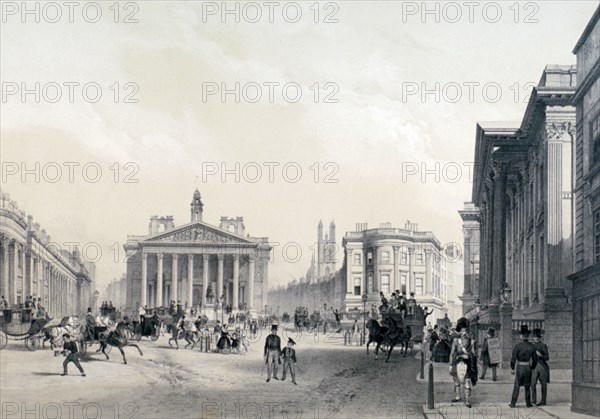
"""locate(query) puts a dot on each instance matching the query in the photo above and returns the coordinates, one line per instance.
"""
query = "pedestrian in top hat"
(289, 360)
(463, 362)
(272, 352)
(524, 358)
(541, 372)
(485, 355)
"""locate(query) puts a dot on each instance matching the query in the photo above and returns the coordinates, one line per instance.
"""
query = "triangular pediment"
(197, 232)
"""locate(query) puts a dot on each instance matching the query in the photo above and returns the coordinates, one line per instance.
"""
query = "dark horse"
(376, 334)
(390, 335)
(118, 338)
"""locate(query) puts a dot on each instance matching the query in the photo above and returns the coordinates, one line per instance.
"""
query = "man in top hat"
(485, 355)
(525, 360)
(90, 323)
(272, 352)
(463, 362)
(542, 371)
(289, 360)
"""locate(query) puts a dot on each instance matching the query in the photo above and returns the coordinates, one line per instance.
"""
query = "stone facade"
(386, 259)
(523, 190)
(34, 265)
(586, 252)
(197, 264)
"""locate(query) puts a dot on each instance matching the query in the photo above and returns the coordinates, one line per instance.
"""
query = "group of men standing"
(529, 364)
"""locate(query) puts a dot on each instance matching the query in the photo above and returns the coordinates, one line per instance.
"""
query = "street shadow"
(46, 374)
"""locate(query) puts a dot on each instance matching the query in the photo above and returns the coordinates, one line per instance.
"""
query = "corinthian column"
(251, 283)
(219, 278)
(175, 280)
(236, 281)
(204, 278)
(144, 286)
(159, 280)
(554, 133)
(190, 293)
(499, 220)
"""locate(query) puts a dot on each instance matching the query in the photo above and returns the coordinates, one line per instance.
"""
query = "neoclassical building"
(197, 264)
(522, 214)
(386, 259)
(34, 265)
(586, 197)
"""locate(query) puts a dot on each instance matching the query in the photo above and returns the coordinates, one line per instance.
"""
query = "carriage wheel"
(155, 334)
(3, 340)
(32, 343)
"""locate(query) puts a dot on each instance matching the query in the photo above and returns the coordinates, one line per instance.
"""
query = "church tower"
(320, 248)
(196, 207)
(332, 247)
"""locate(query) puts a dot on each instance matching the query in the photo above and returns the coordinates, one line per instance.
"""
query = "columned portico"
(220, 261)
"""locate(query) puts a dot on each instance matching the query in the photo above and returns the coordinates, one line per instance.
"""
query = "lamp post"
(222, 306)
(364, 297)
(505, 293)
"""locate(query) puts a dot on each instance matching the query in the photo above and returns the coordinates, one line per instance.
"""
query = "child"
(289, 360)
(72, 356)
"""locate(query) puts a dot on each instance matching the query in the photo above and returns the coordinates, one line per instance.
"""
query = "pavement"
(490, 398)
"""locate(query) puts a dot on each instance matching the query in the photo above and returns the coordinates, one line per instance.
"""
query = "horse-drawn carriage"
(17, 324)
(148, 327)
(301, 319)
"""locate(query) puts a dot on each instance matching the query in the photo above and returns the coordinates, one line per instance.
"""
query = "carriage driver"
(272, 352)
(72, 355)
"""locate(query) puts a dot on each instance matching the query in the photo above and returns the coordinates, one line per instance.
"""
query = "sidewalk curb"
(552, 411)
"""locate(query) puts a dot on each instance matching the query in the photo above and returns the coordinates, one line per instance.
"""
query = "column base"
(468, 300)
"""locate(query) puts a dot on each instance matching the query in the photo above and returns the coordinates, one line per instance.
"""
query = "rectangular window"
(385, 257)
(418, 286)
(591, 339)
(404, 258)
(357, 285)
(419, 259)
(357, 259)
(597, 235)
(369, 258)
(385, 283)
(403, 281)
(370, 282)
(595, 138)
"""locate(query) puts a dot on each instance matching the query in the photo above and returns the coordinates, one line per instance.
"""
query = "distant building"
(34, 265)
(116, 293)
(586, 222)
(386, 259)
(321, 285)
(197, 264)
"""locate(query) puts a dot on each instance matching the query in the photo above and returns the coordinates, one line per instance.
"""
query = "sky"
(351, 111)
